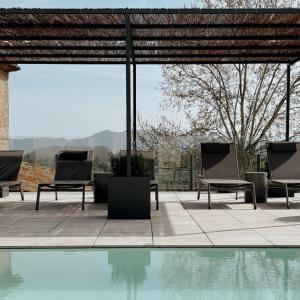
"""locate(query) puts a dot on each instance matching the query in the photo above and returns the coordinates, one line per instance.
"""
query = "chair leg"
(56, 194)
(254, 196)
(37, 204)
(236, 193)
(209, 207)
(156, 197)
(199, 191)
(83, 197)
(287, 196)
(21, 191)
(93, 188)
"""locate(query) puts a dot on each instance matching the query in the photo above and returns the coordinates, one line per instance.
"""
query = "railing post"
(191, 172)
(258, 162)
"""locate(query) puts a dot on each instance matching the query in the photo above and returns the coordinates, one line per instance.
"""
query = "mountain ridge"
(113, 140)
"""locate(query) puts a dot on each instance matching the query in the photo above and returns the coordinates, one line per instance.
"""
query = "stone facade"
(31, 175)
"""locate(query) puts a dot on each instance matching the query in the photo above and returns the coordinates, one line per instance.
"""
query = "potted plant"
(129, 197)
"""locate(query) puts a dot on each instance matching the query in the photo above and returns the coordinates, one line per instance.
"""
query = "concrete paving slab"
(283, 236)
(123, 241)
(182, 221)
(238, 238)
(182, 240)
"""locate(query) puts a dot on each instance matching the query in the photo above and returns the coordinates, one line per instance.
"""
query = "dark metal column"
(128, 96)
(287, 120)
(134, 107)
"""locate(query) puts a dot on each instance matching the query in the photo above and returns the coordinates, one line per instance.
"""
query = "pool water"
(150, 274)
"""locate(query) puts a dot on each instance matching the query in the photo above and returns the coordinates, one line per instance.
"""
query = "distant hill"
(114, 141)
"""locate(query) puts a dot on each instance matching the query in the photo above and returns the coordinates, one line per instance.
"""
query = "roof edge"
(18, 10)
(9, 67)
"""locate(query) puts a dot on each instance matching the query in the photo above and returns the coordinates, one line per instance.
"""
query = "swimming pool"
(150, 273)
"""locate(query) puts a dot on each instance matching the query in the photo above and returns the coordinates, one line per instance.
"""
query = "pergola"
(150, 36)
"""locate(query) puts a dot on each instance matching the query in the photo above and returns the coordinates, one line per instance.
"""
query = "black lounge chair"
(284, 166)
(10, 165)
(220, 170)
(73, 173)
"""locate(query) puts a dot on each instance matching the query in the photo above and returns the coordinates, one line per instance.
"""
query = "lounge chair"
(73, 173)
(220, 170)
(150, 163)
(10, 165)
(284, 166)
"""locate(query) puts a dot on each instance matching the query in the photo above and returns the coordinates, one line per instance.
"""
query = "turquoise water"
(150, 274)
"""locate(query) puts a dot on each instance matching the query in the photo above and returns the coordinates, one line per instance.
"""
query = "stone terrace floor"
(182, 221)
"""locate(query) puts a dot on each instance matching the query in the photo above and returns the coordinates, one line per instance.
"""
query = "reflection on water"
(8, 279)
(150, 274)
(272, 273)
(129, 267)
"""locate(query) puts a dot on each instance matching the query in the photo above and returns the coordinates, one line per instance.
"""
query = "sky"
(80, 100)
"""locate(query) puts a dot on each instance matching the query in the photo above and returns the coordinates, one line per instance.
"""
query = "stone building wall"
(4, 104)
(4, 110)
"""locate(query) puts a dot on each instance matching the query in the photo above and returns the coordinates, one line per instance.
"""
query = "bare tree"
(240, 103)
(165, 137)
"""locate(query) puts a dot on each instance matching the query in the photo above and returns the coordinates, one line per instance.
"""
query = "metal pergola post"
(128, 94)
(134, 107)
(288, 87)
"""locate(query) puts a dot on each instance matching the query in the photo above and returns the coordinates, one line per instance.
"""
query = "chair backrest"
(284, 160)
(149, 157)
(74, 165)
(219, 161)
(10, 164)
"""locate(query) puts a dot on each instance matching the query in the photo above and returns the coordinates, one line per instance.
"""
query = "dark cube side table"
(260, 181)
(101, 187)
(4, 192)
(129, 197)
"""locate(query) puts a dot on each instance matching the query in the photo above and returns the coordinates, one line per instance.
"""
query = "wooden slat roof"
(96, 36)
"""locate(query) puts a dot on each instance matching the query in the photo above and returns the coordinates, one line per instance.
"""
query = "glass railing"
(42, 150)
(173, 172)
(175, 168)
(40, 154)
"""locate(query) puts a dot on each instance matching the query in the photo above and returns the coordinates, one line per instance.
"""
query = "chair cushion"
(283, 147)
(216, 148)
(73, 155)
